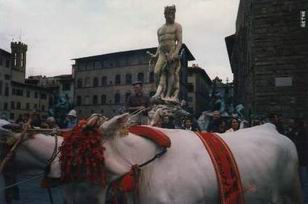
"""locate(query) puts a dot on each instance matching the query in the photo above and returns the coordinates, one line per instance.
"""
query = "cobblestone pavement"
(32, 193)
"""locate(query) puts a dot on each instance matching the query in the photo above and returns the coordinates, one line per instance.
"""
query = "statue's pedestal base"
(165, 101)
(170, 108)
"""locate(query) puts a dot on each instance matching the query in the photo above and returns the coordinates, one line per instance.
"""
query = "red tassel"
(82, 156)
(127, 183)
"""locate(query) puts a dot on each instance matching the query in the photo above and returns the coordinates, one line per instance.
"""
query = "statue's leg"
(160, 77)
(171, 78)
(177, 81)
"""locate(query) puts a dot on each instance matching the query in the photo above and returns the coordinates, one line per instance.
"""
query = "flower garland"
(82, 156)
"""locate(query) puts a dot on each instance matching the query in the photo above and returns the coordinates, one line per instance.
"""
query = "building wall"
(269, 58)
(27, 99)
(18, 97)
(121, 64)
(60, 86)
(198, 90)
(110, 89)
(66, 88)
(5, 83)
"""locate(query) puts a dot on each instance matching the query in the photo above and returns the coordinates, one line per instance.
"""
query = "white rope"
(23, 181)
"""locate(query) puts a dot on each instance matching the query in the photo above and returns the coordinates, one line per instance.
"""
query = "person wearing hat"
(71, 119)
(138, 101)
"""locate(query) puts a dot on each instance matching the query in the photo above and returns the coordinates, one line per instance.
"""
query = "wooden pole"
(11, 152)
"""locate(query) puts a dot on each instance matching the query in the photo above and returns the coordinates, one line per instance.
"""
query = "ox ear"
(112, 126)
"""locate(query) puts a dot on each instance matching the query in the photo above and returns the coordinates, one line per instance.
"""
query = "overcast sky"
(58, 30)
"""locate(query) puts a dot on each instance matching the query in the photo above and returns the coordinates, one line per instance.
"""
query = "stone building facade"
(268, 56)
(199, 88)
(5, 83)
(61, 86)
(16, 96)
(103, 82)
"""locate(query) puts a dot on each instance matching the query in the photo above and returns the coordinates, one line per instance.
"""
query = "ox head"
(114, 126)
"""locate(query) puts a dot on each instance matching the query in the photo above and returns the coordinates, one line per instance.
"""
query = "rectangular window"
(28, 94)
(79, 83)
(18, 105)
(7, 64)
(5, 106)
(87, 100)
(89, 66)
(66, 87)
(87, 82)
(43, 96)
(18, 92)
(35, 95)
(97, 65)
(7, 77)
(103, 99)
(6, 91)
(81, 66)
(12, 116)
(78, 100)
(12, 105)
(104, 81)
(1, 87)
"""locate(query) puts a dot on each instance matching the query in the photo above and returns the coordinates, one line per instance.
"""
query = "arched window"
(117, 98)
(95, 82)
(79, 83)
(118, 79)
(128, 78)
(103, 99)
(151, 77)
(140, 76)
(94, 100)
(104, 81)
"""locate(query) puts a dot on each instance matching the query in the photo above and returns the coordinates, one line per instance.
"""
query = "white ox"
(267, 163)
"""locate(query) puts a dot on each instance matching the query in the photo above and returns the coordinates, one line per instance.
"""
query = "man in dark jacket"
(137, 102)
(214, 122)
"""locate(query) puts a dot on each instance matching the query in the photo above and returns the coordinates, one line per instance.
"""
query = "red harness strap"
(227, 173)
(151, 133)
(129, 182)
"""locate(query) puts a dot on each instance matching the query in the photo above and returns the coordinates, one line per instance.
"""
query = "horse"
(267, 162)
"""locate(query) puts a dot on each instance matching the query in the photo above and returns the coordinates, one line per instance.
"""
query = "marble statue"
(167, 59)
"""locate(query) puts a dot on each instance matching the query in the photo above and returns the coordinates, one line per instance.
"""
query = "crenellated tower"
(18, 61)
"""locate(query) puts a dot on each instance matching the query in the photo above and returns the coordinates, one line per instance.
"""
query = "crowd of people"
(37, 122)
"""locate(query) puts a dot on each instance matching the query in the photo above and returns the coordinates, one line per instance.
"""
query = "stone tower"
(18, 61)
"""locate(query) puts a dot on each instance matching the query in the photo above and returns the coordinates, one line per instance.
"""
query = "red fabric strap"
(153, 134)
(227, 173)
